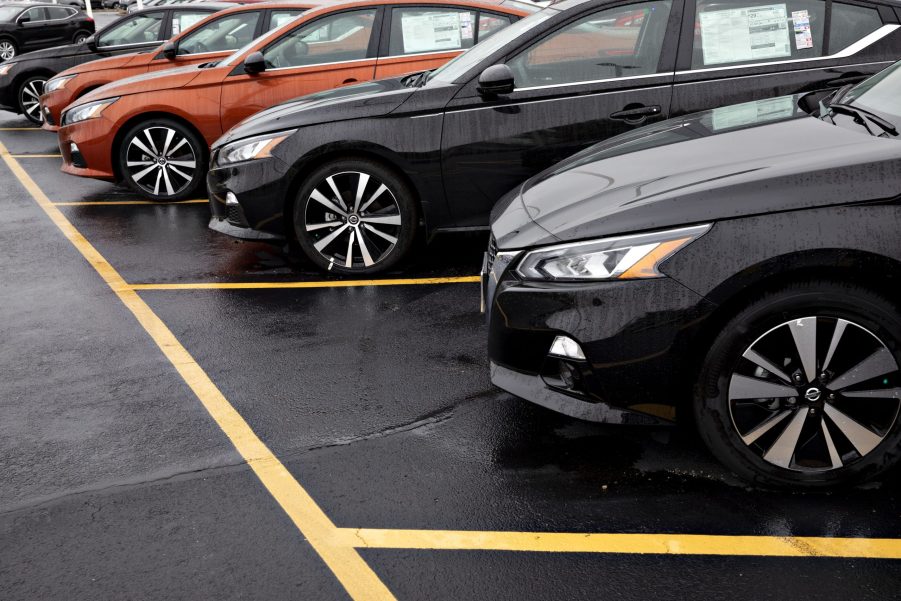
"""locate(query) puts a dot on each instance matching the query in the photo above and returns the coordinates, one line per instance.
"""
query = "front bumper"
(52, 105)
(247, 199)
(636, 336)
(94, 142)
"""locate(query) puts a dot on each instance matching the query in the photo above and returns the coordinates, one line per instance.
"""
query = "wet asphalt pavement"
(118, 484)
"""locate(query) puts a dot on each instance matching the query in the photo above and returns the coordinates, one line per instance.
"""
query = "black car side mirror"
(495, 80)
(169, 50)
(91, 43)
(254, 63)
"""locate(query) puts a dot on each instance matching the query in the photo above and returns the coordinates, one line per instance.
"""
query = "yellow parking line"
(101, 203)
(345, 562)
(664, 544)
(36, 156)
(21, 129)
(281, 285)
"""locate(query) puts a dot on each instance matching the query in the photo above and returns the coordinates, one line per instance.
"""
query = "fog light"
(75, 155)
(231, 200)
(564, 346)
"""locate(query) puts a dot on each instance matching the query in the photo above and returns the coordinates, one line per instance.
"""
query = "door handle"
(347, 81)
(638, 114)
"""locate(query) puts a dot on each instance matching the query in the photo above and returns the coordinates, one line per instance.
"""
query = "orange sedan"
(153, 131)
(211, 39)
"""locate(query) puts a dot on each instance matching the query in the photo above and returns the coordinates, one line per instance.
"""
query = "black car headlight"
(87, 111)
(622, 258)
(248, 149)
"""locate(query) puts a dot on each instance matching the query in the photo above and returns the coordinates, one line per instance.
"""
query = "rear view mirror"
(23, 20)
(169, 50)
(91, 43)
(254, 63)
(495, 80)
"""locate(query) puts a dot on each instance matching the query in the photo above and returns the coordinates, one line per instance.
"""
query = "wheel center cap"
(813, 394)
(353, 219)
(161, 160)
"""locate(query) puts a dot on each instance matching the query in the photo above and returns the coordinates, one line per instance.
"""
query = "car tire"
(80, 37)
(29, 98)
(838, 428)
(163, 160)
(8, 49)
(376, 217)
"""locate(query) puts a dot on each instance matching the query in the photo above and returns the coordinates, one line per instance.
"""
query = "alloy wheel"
(30, 99)
(7, 50)
(353, 219)
(815, 394)
(81, 38)
(160, 161)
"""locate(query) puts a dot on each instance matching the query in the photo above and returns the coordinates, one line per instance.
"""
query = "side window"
(851, 23)
(139, 29)
(33, 15)
(181, 20)
(277, 18)
(617, 42)
(225, 33)
(341, 37)
(733, 32)
(58, 12)
(490, 24)
(415, 30)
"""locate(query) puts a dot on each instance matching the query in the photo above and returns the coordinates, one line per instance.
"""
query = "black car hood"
(754, 158)
(56, 52)
(369, 99)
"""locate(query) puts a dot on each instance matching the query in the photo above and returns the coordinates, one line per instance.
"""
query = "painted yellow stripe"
(36, 156)
(665, 544)
(101, 203)
(354, 574)
(282, 285)
(21, 129)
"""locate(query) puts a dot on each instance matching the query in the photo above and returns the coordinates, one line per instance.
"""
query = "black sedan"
(440, 148)
(22, 78)
(740, 267)
(27, 26)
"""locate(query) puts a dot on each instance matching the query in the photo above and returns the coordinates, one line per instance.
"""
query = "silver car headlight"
(87, 111)
(623, 258)
(57, 83)
(249, 149)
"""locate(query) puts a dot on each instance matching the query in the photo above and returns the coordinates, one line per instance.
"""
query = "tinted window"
(226, 33)
(59, 12)
(277, 18)
(181, 20)
(416, 30)
(341, 37)
(134, 30)
(490, 24)
(851, 24)
(735, 32)
(34, 14)
(617, 42)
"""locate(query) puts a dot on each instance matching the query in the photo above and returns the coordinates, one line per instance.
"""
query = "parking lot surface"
(187, 416)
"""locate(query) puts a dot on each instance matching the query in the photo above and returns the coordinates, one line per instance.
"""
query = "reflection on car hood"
(369, 99)
(56, 52)
(148, 82)
(741, 160)
(111, 62)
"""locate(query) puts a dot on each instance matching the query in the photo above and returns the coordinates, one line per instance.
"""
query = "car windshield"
(880, 94)
(458, 67)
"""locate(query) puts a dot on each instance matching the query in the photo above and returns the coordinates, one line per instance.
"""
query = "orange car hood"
(148, 82)
(113, 62)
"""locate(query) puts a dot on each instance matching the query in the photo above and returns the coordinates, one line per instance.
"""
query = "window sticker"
(185, 21)
(466, 30)
(280, 19)
(743, 34)
(801, 24)
(434, 31)
(752, 113)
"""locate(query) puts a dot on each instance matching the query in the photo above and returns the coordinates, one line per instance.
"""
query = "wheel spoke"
(140, 175)
(387, 237)
(863, 439)
(878, 364)
(334, 187)
(321, 199)
(180, 172)
(887, 393)
(364, 250)
(349, 258)
(312, 227)
(381, 189)
(137, 142)
(804, 332)
(361, 187)
(31, 107)
(743, 387)
(384, 219)
(176, 147)
(328, 239)
(191, 164)
(138, 163)
(834, 457)
(152, 143)
(31, 91)
(752, 436)
(840, 326)
(169, 190)
(783, 450)
(758, 359)
(170, 133)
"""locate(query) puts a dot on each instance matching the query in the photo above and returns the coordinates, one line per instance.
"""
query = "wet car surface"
(121, 477)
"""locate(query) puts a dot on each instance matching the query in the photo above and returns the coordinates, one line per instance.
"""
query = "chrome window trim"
(313, 65)
(867, 40)
(702, 81)
(609, 79)
(71, 14)
(530, 101)
(132, 44)
(415, 54)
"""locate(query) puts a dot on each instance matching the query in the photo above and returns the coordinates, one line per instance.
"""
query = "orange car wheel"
(163, 160)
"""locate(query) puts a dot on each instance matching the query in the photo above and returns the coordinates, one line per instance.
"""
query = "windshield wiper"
(863, 115)
(416, 80)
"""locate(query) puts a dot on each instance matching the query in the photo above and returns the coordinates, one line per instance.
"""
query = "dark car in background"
(739, 267)
(439, 149)
(30, 26)
(22, 79)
